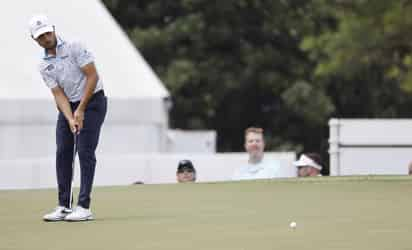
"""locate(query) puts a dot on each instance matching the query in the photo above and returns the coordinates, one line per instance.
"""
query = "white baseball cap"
(306, 161)
(38, 25)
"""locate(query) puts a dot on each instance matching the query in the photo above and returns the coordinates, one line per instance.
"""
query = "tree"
(235, 63)
(365, 60)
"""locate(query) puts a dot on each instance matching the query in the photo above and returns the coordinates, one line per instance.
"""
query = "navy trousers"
(87, 142)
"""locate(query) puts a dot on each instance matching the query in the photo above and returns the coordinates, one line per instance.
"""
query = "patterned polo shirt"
(64, 69)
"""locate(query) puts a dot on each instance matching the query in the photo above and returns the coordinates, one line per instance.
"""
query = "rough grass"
(331, 213)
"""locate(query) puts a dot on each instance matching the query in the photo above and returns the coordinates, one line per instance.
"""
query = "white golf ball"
(292, 224)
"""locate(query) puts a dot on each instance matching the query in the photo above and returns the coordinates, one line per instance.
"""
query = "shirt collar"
(60, 43)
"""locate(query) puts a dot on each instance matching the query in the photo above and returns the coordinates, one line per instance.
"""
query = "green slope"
(331, 213)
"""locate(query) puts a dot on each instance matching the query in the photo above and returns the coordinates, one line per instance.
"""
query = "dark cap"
(185, 165)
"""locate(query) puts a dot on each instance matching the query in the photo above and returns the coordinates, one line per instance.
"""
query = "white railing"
(127, 169)
(370, 146)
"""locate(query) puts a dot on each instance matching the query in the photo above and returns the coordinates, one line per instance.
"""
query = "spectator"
(410, 169)
(309, 164)
(185, 172)
(258, 167)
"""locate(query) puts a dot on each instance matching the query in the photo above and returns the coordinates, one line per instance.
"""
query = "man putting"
(68, 70)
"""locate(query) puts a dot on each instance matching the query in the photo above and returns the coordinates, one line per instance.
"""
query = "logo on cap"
(38, 23)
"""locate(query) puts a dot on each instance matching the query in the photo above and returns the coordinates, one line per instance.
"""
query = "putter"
(75, 135)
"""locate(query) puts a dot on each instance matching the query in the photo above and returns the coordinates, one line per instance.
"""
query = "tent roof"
(124, 72)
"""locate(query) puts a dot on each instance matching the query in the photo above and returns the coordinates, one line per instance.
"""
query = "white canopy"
(137, 118)
(124, 72)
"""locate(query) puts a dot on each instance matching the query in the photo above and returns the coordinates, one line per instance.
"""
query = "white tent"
(137, 116)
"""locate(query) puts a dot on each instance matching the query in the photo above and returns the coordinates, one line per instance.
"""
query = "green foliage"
(303, 99)
(369, 33)
(365, 61)
(287, 66)
(231, 64)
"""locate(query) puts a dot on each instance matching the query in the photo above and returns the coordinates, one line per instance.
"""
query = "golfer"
(68, 69)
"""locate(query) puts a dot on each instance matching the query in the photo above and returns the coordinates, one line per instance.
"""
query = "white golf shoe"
(58, 214)
(79, 214)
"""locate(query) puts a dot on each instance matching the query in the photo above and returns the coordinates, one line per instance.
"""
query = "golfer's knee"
(87, 155)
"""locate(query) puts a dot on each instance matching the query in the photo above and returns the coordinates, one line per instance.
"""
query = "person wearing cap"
(258, 167)
(309, 164)
(185, 172)
(68, 69)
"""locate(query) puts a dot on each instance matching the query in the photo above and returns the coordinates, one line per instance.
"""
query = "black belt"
(99, 93)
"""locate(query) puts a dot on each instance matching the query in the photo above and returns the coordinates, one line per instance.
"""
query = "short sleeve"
(81, 54)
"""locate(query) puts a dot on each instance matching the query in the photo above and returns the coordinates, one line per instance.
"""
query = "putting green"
(331, 213)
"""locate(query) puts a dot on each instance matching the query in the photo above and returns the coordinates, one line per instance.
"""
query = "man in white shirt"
(258, 167)
(68, 69)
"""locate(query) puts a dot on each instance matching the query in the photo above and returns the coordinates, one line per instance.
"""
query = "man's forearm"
(91, 83)
(63, 104)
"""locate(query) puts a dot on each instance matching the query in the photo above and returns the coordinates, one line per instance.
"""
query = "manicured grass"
(331, 213)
